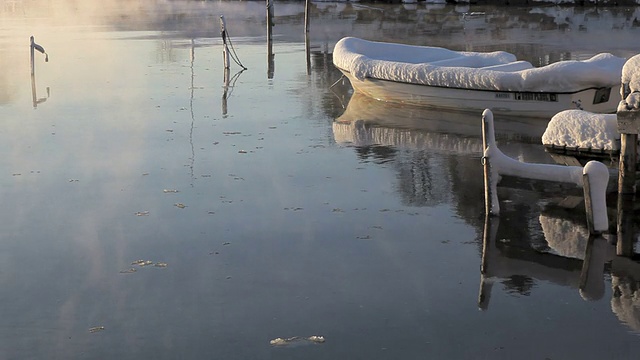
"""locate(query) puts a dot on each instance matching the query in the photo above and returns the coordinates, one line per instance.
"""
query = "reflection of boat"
(367, 121)
(443, 78)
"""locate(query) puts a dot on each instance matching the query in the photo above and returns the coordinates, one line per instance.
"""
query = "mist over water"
(150, 211)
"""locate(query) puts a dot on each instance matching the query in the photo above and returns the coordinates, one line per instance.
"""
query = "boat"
(473, 81)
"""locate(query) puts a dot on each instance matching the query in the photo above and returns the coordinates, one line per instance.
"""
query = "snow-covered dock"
(593, 177)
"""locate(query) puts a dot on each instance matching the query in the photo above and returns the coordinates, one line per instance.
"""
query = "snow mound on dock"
(583, 129)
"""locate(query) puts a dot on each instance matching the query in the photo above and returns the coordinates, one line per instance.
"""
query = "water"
(273, 220)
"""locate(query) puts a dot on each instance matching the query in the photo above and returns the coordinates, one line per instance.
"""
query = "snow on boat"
(473, 81)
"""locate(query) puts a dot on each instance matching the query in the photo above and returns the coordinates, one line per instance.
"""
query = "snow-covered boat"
(473, 81)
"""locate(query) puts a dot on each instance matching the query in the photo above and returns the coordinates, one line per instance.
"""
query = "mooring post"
(32, 47)
(33, 70)
(625, 227)
(628, 116)
(307, 46)
(225, 48)
(492, 205)
(595, 177)
(270, 56)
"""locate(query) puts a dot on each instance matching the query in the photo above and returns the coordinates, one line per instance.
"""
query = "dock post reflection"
(225, 90)
(34, 95)
(488, 241)
(503, 260)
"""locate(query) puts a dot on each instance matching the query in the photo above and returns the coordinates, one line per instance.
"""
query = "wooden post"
(492, 206)
(270, 55)
(588, 204)
(225, 47)
(306, 16)
(307, 46)
(32, 46)
(628, 119)
(625, 228)
(627, 165)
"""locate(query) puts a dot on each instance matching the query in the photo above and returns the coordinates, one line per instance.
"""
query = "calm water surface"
(287, 208)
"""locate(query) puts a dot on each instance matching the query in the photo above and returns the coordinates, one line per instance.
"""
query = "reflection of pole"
(270, 56)
(625, 225)
(306, 36)
(33, 88)
(591, 281)
(225, 48)
(225, 90)
(488, 245)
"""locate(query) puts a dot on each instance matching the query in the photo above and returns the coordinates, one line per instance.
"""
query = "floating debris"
(142, 262)
(128, 271)
(73, 180)
(169, 191)
(226, 243)
(142, 213)
(242, 151)
(160, 265)
(365, 237)
(231, 133)
(95, 329)
(180, 205)
(337, 210)
(296, 339)
(211, 212)
(316, 339)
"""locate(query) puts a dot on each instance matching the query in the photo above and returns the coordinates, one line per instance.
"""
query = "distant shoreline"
(531, 3)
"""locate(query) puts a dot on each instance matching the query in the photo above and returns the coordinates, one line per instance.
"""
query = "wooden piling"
(492, 207)
(628, 163)
(628, 120)
(588, 203)
(225, 47)
(307, 46)
(270, 55)
(32, 49)
(625, 227)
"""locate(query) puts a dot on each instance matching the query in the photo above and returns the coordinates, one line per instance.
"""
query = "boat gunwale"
(472, 89)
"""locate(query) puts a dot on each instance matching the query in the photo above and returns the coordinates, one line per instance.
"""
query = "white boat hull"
(531, 104)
